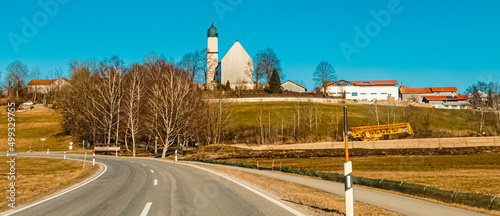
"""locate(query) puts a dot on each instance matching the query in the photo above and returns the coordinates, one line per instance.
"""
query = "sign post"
(43, 139)
(349, 195)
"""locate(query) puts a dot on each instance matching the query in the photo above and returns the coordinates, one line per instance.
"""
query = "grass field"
(462, 173)
(33, 125)
(442, 122)
(38, 177)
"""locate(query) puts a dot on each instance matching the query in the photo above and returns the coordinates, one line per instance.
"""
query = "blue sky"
(424, 43)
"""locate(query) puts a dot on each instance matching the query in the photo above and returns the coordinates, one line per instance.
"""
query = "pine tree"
(228, 86)
(275, 83)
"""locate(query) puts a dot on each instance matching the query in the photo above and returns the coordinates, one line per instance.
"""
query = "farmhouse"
(44, 86)
(363, 90)
(293, 87)
(448, 102)
(417, 94)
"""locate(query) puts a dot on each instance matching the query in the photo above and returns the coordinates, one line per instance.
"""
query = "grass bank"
(33, 125)
(39, 177)
(289, 122)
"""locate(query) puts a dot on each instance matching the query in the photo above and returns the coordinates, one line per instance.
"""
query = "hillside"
(33, 125)
(280, 121)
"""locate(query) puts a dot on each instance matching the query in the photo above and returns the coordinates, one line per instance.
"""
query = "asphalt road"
(397, 203)
(135, 186)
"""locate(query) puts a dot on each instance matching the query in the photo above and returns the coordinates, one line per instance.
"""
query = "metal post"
(346, 138)
(349, 195)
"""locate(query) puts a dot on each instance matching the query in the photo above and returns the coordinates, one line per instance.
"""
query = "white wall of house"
(364, 92)
(290, 86)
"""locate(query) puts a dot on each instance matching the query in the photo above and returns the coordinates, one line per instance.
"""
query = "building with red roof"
(363, 89)
(418, 94)
(448, 102)
(46, 85)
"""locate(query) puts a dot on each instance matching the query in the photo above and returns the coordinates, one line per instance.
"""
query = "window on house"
(373, 93)
(384, 93)
(363, 93)
(348, 93)
(354, 94)
(339, 93)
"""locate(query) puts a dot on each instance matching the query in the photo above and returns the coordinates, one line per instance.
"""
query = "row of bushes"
(470, 199)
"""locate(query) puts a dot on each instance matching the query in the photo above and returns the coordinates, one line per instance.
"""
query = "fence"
(460, 142)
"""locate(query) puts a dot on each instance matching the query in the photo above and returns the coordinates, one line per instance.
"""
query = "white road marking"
(131, 161)
(288, 208)
(143, 165)
(156, 181)
(62, 193)
(152, 171)
(146, 209)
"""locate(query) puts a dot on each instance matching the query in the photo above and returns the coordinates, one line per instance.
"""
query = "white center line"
(156, 181)
(152, 171)
(146, 209)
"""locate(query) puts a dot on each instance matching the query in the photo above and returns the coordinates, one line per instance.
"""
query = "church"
(236, 66)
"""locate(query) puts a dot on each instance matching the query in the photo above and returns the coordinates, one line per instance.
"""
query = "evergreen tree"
(228, 86)
(275, 82)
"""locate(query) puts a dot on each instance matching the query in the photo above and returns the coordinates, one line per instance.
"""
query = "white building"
(236, 66)
(44, 86)
(363, 90)
(293, 87)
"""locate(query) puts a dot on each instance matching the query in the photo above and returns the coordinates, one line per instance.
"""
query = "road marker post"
(84, 160)
(349, 194)
(93, 158)
(116, 152)
(64, 155)
(47, 151)
(176, 155)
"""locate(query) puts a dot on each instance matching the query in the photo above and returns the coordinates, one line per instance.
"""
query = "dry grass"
(316, 201)
(38, 177)
(461, 173)
(33, 125)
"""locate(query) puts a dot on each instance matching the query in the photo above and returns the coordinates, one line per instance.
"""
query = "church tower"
(212, 52)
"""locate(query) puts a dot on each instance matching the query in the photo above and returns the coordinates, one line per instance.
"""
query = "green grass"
(33, 125)
(447, 122)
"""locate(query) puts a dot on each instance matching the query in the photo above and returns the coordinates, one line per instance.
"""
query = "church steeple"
(212, 31)
(212, 52)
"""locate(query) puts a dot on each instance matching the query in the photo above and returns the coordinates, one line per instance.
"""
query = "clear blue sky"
(425, 43)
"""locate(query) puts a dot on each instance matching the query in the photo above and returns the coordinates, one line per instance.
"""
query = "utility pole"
(349, 195)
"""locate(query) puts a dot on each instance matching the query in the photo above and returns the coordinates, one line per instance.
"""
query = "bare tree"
(324, 72)
(193, 63)
(132, 102)
(17, 73)
(267, 61)
(219, 119)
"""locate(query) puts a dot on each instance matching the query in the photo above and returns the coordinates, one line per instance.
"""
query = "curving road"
(135, 186)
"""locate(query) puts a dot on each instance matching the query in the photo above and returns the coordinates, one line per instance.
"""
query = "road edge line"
(282, 205)
(60, 193)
